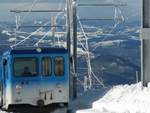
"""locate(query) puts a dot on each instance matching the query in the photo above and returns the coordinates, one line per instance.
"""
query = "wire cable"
(33, 33)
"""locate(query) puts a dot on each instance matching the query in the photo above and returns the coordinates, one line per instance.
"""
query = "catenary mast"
(145, 47)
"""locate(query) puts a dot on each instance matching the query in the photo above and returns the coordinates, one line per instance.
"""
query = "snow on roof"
(123, 99)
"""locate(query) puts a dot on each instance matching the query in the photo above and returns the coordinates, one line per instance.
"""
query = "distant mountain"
(115, 70)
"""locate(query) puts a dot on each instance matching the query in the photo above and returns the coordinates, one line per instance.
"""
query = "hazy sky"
(131, 10)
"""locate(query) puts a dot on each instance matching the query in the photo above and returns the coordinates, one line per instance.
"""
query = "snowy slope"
(123, 99)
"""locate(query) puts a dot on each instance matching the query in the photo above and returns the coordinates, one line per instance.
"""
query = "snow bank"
(123, 99)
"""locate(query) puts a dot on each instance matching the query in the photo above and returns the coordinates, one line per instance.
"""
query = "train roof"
(37, 50)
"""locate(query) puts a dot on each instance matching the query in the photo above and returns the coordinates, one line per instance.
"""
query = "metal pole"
(74, 18)
(137, 77)
(68, 24)
(53, 29)
(68, 27)
(146, 13)
(145, 44)
(75, 33)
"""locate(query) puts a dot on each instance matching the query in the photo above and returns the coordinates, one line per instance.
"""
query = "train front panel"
(38, 80)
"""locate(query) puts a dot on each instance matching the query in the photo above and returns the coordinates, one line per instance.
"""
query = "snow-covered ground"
(122, 99)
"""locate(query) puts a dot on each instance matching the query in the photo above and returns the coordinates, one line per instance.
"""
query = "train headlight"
(39, 50)
(18, 89)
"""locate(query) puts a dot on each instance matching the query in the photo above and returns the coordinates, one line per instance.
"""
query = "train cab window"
(25, 67)
(59, 66)
(46, 66)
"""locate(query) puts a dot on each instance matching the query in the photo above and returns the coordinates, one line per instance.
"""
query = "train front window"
(59, 66)
(25, 67)
(46, 66)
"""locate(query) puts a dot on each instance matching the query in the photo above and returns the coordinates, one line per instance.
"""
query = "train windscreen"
(25, 67)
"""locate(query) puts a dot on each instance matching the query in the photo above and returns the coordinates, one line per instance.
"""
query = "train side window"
(46, 66)
(25, 67)
(59, 66)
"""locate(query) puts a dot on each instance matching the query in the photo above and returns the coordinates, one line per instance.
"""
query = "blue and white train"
(35, 79)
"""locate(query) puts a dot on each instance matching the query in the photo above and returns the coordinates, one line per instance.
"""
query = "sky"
(131, 10)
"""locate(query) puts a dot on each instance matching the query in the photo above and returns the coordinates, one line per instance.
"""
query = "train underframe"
(26, 108)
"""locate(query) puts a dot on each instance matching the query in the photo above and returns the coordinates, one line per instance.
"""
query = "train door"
(3, 82)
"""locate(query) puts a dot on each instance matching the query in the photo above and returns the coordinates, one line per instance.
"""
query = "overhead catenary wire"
(36, 44)
(25, 16)
(33, 33)
(118, 18)
(57, 15)
(20, 22)
(88, 55)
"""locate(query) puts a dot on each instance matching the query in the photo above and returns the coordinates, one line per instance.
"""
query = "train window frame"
(51, 70)
(31, 76)
(55, 66)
